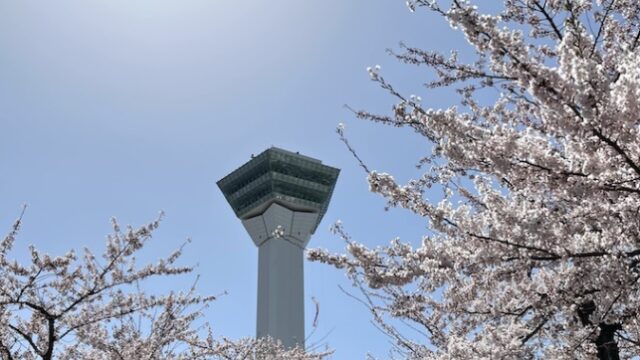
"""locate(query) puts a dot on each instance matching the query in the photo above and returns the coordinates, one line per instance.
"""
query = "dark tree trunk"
(605, 342)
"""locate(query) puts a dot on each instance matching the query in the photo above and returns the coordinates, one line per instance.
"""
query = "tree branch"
(549, 19)
(26, 337)
(618, 149)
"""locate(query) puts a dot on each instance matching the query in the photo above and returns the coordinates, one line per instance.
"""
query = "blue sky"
(125, 108)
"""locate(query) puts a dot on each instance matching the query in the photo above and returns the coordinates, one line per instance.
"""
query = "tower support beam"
(281, 235)
(281, 292)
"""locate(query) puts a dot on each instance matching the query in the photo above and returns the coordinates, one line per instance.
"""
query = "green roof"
(295, 181)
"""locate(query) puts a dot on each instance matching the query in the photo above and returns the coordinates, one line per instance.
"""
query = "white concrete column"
(281, 236)
(281, 292)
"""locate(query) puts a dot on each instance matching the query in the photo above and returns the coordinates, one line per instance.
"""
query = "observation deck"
(296, 182)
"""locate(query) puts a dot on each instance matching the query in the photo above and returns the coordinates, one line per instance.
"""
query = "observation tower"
(280, 197)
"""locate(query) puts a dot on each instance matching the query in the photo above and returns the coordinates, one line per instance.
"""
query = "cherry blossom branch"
(614, 144)
(542, 9)
(602, 25)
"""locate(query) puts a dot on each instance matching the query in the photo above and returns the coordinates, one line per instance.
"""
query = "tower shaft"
(281, 236)
(281, 292)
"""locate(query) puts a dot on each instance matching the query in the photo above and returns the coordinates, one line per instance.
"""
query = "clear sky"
(127, 107)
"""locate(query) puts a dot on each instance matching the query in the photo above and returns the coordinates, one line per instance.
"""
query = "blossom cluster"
(93, 308)
(536, 244)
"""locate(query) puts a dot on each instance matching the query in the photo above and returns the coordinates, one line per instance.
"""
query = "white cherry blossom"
(87, 307)
(535, 251)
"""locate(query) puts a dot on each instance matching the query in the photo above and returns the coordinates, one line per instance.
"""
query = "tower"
(280, 197)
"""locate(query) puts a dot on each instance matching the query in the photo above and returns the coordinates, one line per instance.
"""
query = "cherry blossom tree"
(535, 249)
(81, 307)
